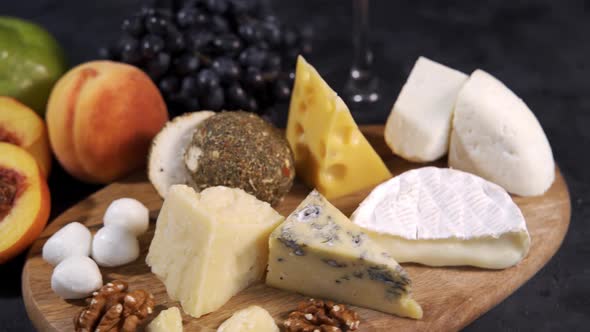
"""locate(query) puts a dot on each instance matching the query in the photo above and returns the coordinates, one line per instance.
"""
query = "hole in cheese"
(299, 130)
(302, 106)
(335, 172)
(346, 135)
(323, 149)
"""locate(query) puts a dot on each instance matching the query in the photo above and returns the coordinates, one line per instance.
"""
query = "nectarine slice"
(21, 126)
(24, 200)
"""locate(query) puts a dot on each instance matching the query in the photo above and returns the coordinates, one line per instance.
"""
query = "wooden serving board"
(451, 297)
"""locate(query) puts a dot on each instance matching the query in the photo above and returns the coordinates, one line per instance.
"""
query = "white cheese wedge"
(496, 136)
(168, 320)
(250, 319)
(445, 217)
(209, 246)
(419, 125)
(318, 252)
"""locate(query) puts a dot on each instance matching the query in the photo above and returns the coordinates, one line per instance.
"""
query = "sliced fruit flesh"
(29, 210)
(11, 186)
(9, 137)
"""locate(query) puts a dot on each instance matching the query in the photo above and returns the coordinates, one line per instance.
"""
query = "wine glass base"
(362, 91)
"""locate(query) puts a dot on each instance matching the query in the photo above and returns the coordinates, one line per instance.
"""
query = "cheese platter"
(451, 297)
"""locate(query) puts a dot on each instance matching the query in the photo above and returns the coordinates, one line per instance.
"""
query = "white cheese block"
(318, 252)
(419, 125)
(209, 246)
(496, 136)
(250, 319)
(445, 217)
(168, 320)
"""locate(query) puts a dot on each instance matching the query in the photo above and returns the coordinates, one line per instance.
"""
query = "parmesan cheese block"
(318, 252)
(419, 124)
(208, 246)
(445, 217)
(250, 319)
(496, 136)
(168, 320)
(331, 154)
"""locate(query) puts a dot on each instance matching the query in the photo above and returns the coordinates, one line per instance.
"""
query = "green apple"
(31, 61)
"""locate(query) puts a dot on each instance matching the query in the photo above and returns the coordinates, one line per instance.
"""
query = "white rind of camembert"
(445, 217)
(318, 252)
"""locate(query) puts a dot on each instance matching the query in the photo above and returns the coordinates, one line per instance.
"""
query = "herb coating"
(241, 150)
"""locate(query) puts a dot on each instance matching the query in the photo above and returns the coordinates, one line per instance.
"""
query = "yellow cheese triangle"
(331, 153)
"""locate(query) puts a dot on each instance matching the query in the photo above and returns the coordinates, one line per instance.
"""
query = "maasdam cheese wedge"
(331, 154)
(445, 217)
(318, 252)
(496, 136)
(208, 246)
(419, 125)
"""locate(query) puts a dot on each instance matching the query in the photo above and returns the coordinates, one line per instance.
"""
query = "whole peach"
(101, 118)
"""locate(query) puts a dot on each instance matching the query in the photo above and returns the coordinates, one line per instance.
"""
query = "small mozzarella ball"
(114, 246)
(76, 277)
(74, 239)
(128, 213)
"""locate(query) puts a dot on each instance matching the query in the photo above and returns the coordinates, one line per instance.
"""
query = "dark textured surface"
(540, 49)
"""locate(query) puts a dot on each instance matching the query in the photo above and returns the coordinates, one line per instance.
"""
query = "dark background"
(540, 49)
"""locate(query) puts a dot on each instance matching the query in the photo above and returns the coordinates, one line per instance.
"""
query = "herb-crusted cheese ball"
(241, 150)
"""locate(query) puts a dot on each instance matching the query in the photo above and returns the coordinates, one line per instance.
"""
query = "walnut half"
(321, 316)
(113, 309)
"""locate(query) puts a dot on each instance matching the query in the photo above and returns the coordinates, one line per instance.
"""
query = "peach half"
(24, 200)
(21, 126)
(102, 117)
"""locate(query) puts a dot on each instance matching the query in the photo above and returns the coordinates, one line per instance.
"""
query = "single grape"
(272, 34)
(175, 42)
(189, 85)
(158, 66)
(156, 25)
(151, 45)
(198, 40)
(252, 105)
(214, 100)
(216, 6)
(127, 42)
(219, 24)
(227, 43)
(105, 53)
(186, 17)
(168, 85)
(131, 55)
(227, 69)
(252, 57)
(186, 64)
(207, 79)
(133, 26)
(282, 90)
(236, 96)
(273, 62)
(253, 79)
(250, 33)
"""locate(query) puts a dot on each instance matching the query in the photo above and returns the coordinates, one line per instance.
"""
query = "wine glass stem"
(362, 86)
(363, 58)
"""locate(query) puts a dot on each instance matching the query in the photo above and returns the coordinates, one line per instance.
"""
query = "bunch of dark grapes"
(213, 54)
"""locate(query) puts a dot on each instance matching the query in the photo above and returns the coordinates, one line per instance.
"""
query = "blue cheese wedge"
(318, 252)
(445, 217)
